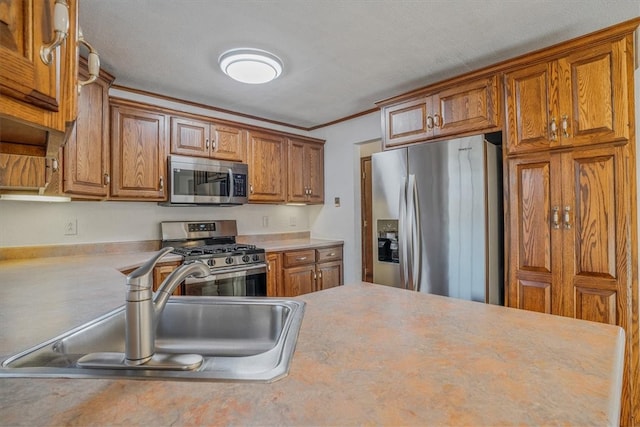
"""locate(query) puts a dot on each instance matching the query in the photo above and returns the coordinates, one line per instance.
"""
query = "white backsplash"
(36, 223)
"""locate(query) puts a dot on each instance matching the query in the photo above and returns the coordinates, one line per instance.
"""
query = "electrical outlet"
(265, 221)
(293, 221)
(71, 227)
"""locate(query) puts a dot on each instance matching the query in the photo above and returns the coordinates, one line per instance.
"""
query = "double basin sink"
(239, 338)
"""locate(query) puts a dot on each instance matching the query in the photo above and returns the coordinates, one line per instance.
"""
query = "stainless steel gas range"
(236, 269)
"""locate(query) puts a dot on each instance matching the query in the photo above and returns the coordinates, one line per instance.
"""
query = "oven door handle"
(229, 273)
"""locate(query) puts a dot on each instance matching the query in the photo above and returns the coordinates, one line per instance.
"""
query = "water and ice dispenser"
(388, 240)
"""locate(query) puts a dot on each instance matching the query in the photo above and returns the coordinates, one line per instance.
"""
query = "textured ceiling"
(339, 56)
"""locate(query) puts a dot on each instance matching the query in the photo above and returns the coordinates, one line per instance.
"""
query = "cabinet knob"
(106, 179)
(161, 183)
(556, 217)
(429, 122)
(567, 217)
(60, 29)
(553, 129)
(565, 126)
(437, 120)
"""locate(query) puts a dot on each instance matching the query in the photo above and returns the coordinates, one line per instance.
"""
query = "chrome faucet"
(142, 310)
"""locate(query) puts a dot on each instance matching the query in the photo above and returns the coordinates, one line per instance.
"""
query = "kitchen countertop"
(293, 244)
(366, 354)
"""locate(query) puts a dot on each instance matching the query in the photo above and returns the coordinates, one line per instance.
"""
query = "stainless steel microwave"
(199, 181)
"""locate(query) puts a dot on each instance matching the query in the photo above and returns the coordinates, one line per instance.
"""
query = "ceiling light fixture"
(248, 65)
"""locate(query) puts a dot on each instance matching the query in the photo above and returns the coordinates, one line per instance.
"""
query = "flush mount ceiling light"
(253, 66)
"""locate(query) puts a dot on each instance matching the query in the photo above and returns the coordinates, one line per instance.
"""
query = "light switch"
(336, 201)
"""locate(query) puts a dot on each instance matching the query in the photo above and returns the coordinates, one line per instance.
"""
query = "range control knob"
(211, 262)
(255, 257)
(246, 258)
(229, 260)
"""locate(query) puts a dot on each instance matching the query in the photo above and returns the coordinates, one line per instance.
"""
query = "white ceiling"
(340, 56)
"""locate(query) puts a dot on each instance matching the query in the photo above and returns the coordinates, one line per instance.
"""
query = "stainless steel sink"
(239, 338)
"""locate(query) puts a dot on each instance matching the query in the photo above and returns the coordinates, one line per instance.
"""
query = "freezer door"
(451, 194)
(388, 168)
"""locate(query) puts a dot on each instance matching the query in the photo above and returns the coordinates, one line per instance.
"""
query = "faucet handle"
(140, 279)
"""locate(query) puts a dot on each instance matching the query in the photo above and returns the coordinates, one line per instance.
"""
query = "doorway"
(366, 219)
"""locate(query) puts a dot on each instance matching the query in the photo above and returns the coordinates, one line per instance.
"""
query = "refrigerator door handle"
(415, 233)
(403, 235)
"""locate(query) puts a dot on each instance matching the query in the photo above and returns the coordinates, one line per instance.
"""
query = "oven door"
(238, 281)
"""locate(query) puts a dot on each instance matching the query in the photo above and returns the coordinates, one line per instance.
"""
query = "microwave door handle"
(231, 186)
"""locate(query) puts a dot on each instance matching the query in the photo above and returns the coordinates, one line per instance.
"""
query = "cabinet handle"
(213, 144)
(437, 120)
(60, 29)
(161, 183)
(556, 217)
(268, 267)
(106, 179)
(567, 218)
(251, 188)
(565, 126)
(301, 258)
(93, 62)
(206, 143)
(332, 254)
(315, 276)
(553, 127)
(320, 275)
(429, 122)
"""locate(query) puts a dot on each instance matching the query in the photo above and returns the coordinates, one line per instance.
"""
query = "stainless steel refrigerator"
(437, 214)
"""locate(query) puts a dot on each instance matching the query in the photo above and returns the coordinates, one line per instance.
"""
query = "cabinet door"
(228, 143)
(267, 168)
(26, 25)
(314, 165)
(329, 274)
(86, 154)
(406, 122)
(593, 100)
(528, 107)
(138, 154)
(299, 280)
(190, 137)
(596, 235)
(534, 266)
(465, 108)
(297, 184)
(274, 272)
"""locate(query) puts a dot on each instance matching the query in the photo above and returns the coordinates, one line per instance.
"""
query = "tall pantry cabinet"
(571, 197)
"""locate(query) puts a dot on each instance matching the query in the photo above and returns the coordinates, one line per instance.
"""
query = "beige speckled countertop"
(293, 244)
(366, 354)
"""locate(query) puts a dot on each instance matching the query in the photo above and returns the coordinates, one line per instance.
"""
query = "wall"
(36, 223)
(342, 172)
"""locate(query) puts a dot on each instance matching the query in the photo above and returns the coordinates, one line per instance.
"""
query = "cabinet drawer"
(329, 254)
(291, 259)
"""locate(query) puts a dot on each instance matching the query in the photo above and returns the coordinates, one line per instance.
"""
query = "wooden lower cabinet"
(304, 271)
(161, 271)
(274, 273)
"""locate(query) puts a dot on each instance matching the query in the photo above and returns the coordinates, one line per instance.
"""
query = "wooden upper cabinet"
(306, 172)
(467, 107)
(406, 122)
(229, 143)
(86, 164)
(192, 137)
(31, 91)
(593, 94)
(138, 154)
(267, 167)
(461, 109)
(579, 99)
